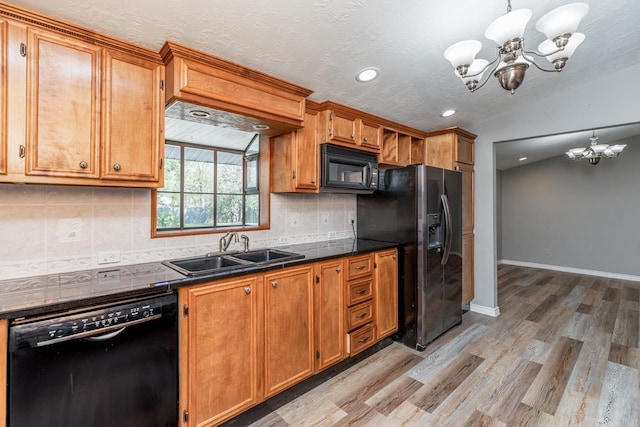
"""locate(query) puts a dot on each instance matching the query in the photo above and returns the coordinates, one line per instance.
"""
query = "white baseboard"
(488, 311)
(571, 270)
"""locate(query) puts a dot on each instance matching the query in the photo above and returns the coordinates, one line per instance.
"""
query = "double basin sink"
(228, 262)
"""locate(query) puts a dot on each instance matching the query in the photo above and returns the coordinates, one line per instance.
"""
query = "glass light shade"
(462, 53)
(563, 20)
(549, 46)
(609, 152)
(577, 151)
(571, 155)
(599, 148)
(618, 148)
(508, 26)
(478, 67)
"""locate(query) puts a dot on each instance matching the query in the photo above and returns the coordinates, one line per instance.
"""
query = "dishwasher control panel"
(89, 324)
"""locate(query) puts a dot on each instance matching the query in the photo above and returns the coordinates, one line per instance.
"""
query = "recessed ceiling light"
(367, 74)
(200, 114)
(448, 113)
(261, 127)
(521, 159)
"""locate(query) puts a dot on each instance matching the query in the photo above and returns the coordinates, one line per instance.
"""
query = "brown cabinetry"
(400, 149)
(370, 134)
(3, 97)
(63, 106)
(294, 159)
(133, 118)
(328, 302)
(386, 298)
(219, 349)
(81, 108)
(337, 127)
(289, 328)
(453, 148)
(360, 310)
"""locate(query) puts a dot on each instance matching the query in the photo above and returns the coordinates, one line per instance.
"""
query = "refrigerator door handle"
(447, 229)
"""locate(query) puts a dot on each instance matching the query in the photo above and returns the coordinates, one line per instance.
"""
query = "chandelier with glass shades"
(512, 60)
(595, 151)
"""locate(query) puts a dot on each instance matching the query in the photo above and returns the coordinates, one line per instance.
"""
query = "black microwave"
(344, 170)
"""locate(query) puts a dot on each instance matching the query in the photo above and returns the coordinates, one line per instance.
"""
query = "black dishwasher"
(115, 365)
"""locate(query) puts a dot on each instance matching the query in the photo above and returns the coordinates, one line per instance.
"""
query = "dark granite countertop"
(38, 295)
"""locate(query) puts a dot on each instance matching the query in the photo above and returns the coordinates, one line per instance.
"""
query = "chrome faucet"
(225, 240)
(245, 240)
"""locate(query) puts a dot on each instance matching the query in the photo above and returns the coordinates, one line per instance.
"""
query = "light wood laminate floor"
(564, 352)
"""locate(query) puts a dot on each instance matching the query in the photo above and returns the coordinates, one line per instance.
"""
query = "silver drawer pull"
(361, 315)
(360, 267)
(365, 339)
(361, 292)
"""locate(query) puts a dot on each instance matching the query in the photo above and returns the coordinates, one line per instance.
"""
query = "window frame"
(262, 190)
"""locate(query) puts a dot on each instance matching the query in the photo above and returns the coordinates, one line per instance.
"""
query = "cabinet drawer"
(360, 291)
(359, 266)
(359, 315)
(361, 339)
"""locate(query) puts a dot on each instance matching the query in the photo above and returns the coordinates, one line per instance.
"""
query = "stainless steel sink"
(267, 256)
(231, 261)
(204, 264)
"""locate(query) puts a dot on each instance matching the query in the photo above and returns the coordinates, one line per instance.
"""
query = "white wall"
(610, 100)
(573, 215)
(52, 229)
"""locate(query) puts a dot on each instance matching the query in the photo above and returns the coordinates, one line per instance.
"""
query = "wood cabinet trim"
(172, 50)
(4, 336)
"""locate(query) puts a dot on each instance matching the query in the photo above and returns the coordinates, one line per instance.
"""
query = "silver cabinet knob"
(84, 165)
(353, 136)
(365, 139)
(247, 290)
(313, 181)
(116, 167)
(274, 284)
(338, 270)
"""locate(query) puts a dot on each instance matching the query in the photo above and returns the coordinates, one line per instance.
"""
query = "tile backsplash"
(53, 229)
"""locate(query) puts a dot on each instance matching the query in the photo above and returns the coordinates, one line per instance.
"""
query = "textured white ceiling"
(321, 44)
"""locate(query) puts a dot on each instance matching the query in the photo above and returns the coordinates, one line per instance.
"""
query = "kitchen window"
(209, 189)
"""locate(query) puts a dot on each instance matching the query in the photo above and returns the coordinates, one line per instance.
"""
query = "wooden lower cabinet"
(219, 350)
(245, 339)
(467, 268)
(288, 323)
(386, 298)
(328, 302)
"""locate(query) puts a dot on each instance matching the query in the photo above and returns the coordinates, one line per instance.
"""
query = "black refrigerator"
(420, 207)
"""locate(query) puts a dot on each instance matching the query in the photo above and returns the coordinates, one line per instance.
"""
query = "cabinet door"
(3, 97)
(467, 268)
(369, 134)
(342, 129)
(386, 282)
(133, 118)
(218, 341)
(288, 328)
(464, 150)
(329, 312)
(306, 154)
(63, 106)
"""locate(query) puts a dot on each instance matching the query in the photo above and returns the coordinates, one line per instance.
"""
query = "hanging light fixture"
(595, 151)
(513, 60)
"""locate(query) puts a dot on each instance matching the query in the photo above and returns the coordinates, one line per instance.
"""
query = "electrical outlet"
(283, 239)
(109, 275)
(547, 251)
(108, 257)
(352, 218)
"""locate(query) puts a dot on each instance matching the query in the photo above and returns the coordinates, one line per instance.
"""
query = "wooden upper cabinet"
(448, 147)
(63, 106)
(294, 162)
(3, 97)
(370, 134)
(337, 127)
(133, 118)
(289, 340)
(213, 82)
